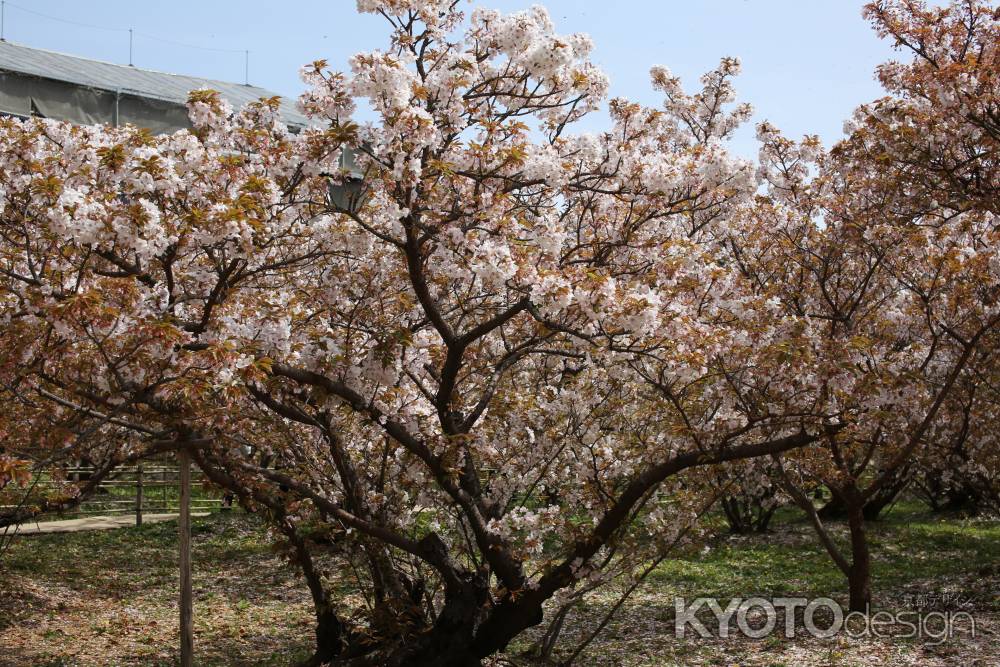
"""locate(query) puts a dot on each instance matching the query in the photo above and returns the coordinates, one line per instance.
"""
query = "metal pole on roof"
(130, 48)
(246, 67)
(3, 19)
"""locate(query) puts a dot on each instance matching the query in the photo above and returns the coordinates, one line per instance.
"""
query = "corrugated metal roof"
(131, 80)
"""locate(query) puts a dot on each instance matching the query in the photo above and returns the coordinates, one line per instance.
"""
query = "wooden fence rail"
(136, 489)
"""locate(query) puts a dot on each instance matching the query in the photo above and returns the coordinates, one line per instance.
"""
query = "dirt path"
(94, 523)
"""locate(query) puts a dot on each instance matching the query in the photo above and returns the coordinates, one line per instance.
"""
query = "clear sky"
(806, 63)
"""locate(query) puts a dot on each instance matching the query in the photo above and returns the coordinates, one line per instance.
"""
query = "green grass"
(909, 545)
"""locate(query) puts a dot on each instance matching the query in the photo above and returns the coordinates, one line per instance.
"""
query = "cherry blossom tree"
(884, 250)
(938, 135)
(477, 368)
(474, 373)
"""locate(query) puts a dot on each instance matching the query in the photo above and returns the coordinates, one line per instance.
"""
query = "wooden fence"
(152, 487)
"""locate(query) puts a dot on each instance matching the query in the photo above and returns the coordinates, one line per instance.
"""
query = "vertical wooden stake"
(138, 495)
(184, 524)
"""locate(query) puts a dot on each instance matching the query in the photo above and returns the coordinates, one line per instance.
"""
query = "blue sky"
(806, 63)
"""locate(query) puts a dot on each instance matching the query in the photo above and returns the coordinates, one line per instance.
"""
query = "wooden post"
(138, 495)
(184, 524)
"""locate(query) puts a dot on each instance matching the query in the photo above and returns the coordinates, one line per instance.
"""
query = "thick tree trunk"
(469, 629)
(731, 508)
(859, 577)
(450, 642)
(507, 621)
(764, 520)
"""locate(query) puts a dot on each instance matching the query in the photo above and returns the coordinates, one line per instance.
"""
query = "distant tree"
(885, 248)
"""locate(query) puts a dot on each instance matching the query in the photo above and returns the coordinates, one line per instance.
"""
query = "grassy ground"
(108, 598)
(922, 562)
